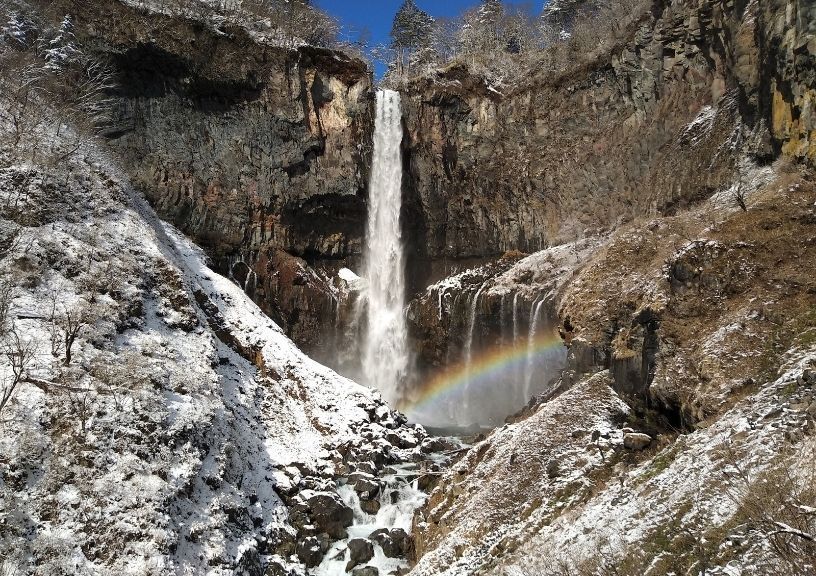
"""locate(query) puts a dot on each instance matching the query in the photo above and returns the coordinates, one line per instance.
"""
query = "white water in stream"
(385, 351)
(399, 499)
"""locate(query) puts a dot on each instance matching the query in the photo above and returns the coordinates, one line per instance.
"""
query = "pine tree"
(411, 34)
(489, 20)
(18, 33)
(62, 50)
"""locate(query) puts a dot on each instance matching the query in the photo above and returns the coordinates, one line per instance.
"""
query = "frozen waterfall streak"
(535, 308)
(385, 355)
(503, 318)
(515, 318)
(469, 349)
(518, 373)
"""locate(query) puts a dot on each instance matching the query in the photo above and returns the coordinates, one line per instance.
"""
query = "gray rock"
(365, 485)
(389, 547)
(360, 552)
(395, 543)
(636, 440)
(370, 506)
(330, 515)
(310, 551)
(404, 541)
(366, 571)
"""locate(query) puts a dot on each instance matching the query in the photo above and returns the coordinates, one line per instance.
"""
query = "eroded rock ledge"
(259, 153)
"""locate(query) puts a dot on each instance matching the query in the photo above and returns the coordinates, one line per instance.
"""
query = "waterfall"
(518, 371)
(535, 308)
(385, 354)
(515, 318)
(465, 412)
(471, 326)
(503, 318)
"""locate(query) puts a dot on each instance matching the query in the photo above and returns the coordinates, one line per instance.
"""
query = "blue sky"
(377, 15)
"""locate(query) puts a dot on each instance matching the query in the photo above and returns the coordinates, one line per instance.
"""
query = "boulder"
(330, 515)
(370, 506)
(401, 440)
(389, 547)
(282, 542)
(395, 543)
(365, 467)
(365, 485)
(360, 552)
(310, 551)
(366, 571)
(404, 542)
(636, 440)
(276, 568)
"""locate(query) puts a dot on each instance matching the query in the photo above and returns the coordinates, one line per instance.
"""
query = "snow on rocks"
(506, 509)
(501, 490)
(187, 432)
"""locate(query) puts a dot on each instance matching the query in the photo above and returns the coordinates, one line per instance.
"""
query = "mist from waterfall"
(385, 350)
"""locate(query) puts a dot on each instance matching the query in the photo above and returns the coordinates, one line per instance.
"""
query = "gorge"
(265, 311)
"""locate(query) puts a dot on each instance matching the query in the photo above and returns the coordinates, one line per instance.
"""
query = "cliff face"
(569, 154)
(257, 152)
(697, 313)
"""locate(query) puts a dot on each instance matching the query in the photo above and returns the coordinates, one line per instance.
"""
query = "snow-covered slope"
(703, 324)
(162, 446)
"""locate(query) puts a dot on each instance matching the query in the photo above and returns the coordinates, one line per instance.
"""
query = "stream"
(388, 531)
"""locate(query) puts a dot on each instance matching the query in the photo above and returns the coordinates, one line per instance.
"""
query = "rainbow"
(484, 370)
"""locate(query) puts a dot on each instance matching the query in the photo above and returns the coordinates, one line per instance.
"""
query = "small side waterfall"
(535, 308)
(468, 350)
(385, 352)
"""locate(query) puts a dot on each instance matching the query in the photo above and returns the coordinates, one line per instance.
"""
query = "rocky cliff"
(678, 168)
(566, 153)
(258, 152)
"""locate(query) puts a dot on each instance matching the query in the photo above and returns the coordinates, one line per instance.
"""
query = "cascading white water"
(385, 353)
(468, 353)
(535, 308)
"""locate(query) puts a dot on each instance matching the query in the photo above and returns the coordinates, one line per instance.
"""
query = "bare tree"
(779, 504)
(6, 297)
(73, 321)
(17, 354)
(82, 404)
(739, 197)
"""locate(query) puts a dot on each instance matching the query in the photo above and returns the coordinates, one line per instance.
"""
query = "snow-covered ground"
(538, 497)
(159, 448)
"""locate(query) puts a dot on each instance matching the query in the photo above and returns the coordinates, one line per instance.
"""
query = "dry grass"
(746, 300)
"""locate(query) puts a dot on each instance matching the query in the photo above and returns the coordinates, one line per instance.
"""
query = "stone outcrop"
(258, 152)
(654, 123)
(360, 552)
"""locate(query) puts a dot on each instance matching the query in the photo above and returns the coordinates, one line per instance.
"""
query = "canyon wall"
(258, 152)
(261, 153)
(562, 155)
(696, 100)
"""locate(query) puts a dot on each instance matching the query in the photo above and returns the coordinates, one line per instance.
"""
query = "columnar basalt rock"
(260, 153)
(655, 124)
